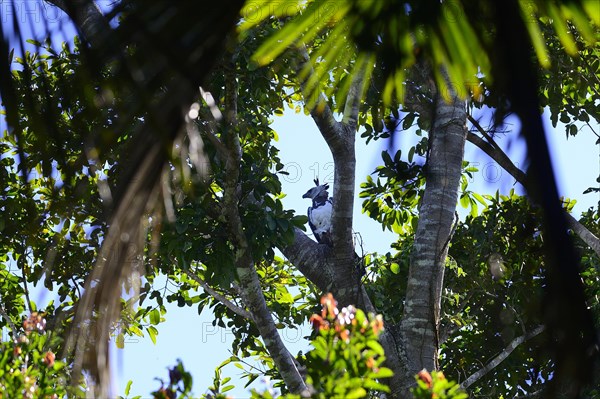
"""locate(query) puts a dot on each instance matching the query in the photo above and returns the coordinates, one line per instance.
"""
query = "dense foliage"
(58, 181)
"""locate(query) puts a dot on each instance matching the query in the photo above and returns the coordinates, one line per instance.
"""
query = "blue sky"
(193, 339)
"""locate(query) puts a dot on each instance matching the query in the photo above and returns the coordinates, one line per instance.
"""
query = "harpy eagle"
(319, 214)
(319, 219)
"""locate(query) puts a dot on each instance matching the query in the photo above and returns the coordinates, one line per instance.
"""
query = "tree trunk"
(419, 328)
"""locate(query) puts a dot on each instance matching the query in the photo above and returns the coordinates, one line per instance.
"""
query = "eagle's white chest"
(320, 217)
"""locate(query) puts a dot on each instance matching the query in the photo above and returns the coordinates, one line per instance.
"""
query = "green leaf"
(135, 330)
(154, 316)
(395, 268)
(120, 341)
(128, 387)
(227, 361)
(382, 372)
(387, 159)
(573, 130)
(408, 121)
(356, 393)
(474, 211)
(376, 346)
(300, 220)
(375, 386)
(227, 388)
(152, 333)
(34, 42)
(479, 198)
(251, 379)
(464, 201)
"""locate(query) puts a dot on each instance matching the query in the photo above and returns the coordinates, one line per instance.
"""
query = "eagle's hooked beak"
(306, 195)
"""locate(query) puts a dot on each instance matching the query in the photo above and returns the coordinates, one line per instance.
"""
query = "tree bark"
(421, 321)
(87, 17)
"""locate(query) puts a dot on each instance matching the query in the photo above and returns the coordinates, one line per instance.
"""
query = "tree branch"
(311, 259)
(586, 236)
(499, 156)
(87, 17)
(13, 328)
(26, 291)
(536, 394)
(221, 298)
(483, 132)
(500, 357)
(340, 138)
(355, 92)
(494, 152)
(252, 293)
(344, 182)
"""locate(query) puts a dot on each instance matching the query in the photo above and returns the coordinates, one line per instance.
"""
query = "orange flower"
(370, 363)
(345, 335)
(425, 377)
(49, 358)
(377, 324)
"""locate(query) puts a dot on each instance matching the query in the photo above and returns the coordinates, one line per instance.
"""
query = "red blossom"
(318, 322)
(425, 377)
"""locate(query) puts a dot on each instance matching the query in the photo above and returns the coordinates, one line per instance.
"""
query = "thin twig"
(219, 297)
(13, 328)
(500, 357)
(592, 129)
(76, 287)
(483, 132)
(536, 394)
(26, 290)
